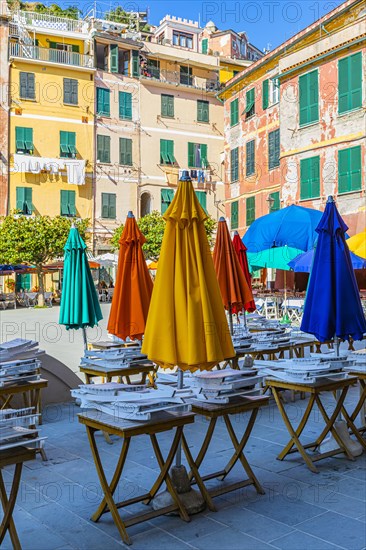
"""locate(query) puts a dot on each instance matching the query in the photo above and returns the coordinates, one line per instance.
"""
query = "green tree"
(35, 240)
(152, 227)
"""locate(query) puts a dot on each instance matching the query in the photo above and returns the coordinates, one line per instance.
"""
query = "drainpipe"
(94, 164)
(139, 167)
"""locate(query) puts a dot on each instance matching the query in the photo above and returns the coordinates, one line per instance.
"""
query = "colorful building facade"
(295, 123)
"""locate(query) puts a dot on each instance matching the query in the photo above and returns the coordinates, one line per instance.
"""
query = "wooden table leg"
(196, 475)
(116, 477)
(8, 507)
(300, 428)
(105, 487)
(6, 402)
(206, 442)
(352, 427)
(361, 401)
(292, 432)
(164, 467)
(239, 455)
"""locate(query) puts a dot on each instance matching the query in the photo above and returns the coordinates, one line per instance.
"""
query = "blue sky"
(267, 22)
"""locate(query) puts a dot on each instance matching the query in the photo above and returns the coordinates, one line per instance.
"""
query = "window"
(24, 200)
(234, 164)
(104, 149)
(167, 151)
(70, 91)
(27, 86)
(167, 105)
(197, 155)
(310, 178)
(275, 90)
(204, 45)
(250, 158)
(125, 151)
(250, 103)
(67, 144)
(68, 54)
(203, 109)
(234, 112)
(250, 210)
(125, 105)
(275, 205)
(102, 57)
(24, 140)
(182, 39)
(349, 169)
(202, 199)
(186, 75)
(109, 206)
(103, 102)
(123, 61)
(235, 215)
(309, 98)
(350, 83)
(68, 203)
(153, 68)
(167, 196)
(135, 63)
(273, 149)
(265, 94)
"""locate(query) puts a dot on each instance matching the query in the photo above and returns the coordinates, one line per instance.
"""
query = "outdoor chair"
(22, 299)
(8, 300)
(270, 309)
(294, 309)
(110, 293)
(32, 298)
(48, 297)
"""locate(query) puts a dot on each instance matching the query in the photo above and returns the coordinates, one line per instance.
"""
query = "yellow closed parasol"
(357, 244)
(186, 324)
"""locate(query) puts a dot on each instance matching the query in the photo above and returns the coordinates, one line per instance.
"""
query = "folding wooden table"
(315, 391)
(31, 391)
(144, 368)
(237, 406)
(164, 422)
(15, 456)
(360, 407)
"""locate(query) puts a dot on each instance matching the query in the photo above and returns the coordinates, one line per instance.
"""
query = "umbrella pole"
(85, 338)
(285, 285)
(231, 320)
(178, 456)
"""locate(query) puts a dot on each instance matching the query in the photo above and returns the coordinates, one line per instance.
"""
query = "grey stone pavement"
(300, 510)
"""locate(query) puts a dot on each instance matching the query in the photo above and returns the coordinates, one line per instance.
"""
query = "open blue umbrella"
(79, 306)
(303, 262)
(293, 226)
(333, 306)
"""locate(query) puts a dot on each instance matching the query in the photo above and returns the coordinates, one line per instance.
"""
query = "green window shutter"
(310, 178)
(23, 81)
(350, 83)
(349, 169)
(113, 58)
(234, 112)
(265, 94)
(24, 140)
(250, 158)
(104, 149)
(125, 105)
(67, 144)
(167, 105)
(167, 151)
(71, 91)
(235, 215)
(75, 48)
(191, 159)
(250, 103)
(234, 164)
(250, 210)
(112, 206)
(135, 63)
(68, 207)
(204, 161)
(24, 200)
(309, 98)
(27, 85)
(202, 111)
(167, 196)
(276, 201)
(105, 205)
(28, 136)
(125, 151)
(204, 45)
(202, 199)
(20, 198)
(274, 149)
(103, 102)
(72, 206)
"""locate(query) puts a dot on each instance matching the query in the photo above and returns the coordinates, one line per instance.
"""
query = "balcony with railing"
(176, 78)
(50, 55)
(44, 22)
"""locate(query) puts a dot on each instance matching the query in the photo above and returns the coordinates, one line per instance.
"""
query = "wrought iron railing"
(45, 21)
(59, 57)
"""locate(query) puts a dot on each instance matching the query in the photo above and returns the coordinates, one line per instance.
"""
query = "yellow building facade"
(51, 137)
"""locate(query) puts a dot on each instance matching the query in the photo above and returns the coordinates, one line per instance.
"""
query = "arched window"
(145, 205)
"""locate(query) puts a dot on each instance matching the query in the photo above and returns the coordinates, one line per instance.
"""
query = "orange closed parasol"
(133, 288)
(235, 291)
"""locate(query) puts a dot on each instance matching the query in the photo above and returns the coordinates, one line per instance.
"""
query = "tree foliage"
(35, 240)
(72, 12)
(152, 227)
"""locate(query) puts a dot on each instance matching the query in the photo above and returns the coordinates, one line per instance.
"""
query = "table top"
(28, 385)
(236, 405)
(136, 368)
(108, 344)
(16, 455)
(326, 384)
(163, 421)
